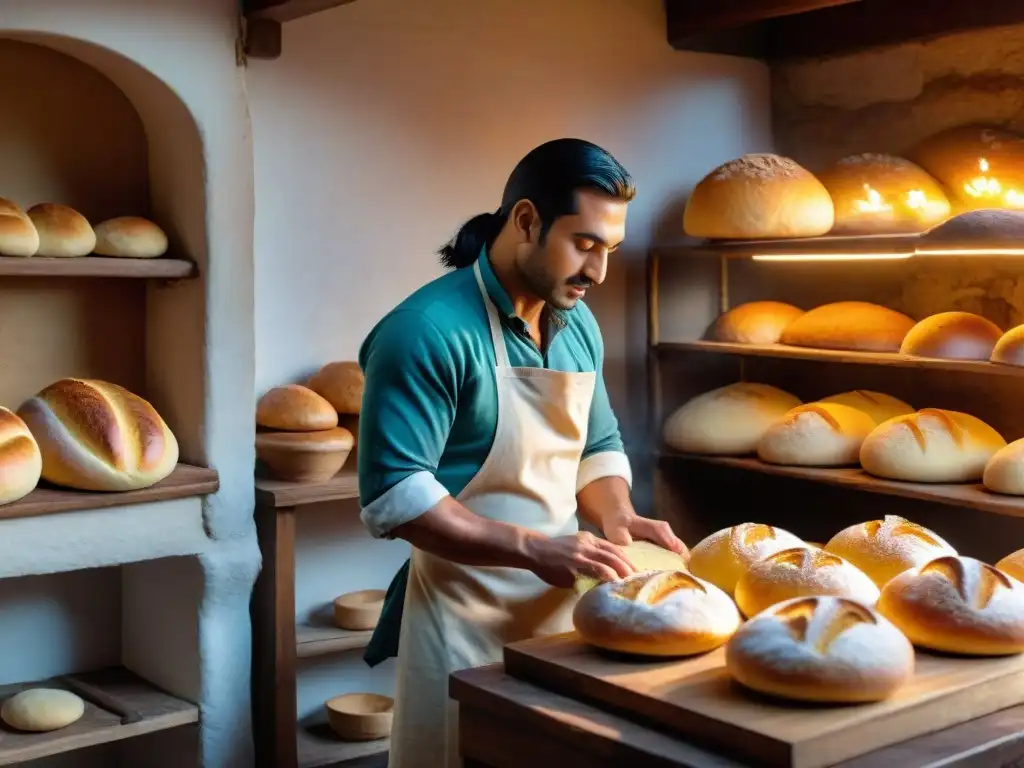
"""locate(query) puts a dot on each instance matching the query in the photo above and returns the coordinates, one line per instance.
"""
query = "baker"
(486, 429)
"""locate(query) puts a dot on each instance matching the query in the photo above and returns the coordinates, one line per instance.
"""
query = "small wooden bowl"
(304, 457)
(361, 716)
(359, 610)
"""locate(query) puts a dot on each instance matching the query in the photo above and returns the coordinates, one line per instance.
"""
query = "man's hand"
(627, 525)
(558, 561)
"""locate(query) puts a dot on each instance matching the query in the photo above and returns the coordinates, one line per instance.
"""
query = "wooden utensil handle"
(103, 699)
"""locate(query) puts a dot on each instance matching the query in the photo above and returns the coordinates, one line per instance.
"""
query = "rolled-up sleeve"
(408, 409)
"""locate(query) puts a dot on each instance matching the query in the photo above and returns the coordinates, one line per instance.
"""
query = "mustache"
(581, 281)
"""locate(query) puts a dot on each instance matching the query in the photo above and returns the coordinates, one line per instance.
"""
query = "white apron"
(458, 616)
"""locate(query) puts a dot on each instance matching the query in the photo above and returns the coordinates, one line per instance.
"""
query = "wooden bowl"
(359, 610)
(361, 716)
(304, 457)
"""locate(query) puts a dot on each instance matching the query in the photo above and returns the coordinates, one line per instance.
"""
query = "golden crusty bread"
(97, 436)
(131, 237)
(1004, 472)
(341, 384)
(1009, 350)
(63, 231)
(816, 435)
(1013, 564)
(21, 464)
(756, 322)
(852, 325)
(821, 649)
(18, 235)
(957, 604)
(952, 336)
(656, 613)
(885, 548)
(878, 405)
(724, 556)
(304, 457)
(295, 408)
(758, 196)
(645, 556)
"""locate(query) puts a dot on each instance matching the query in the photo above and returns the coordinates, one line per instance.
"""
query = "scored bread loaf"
(821, 649)
(63, 231)
(724, 556)
(1004, 472)
(656, 613)
(21, 464)
(852, 325)
(756, 322)
(131, 237)
(730, 420)
(1009, 350)
(957, 604)
(18, 235)
(1013, 564)
(341, 384)
(816, 435)
(952, 336)
(878, 405)
(885, 548)
(645, 556)
(295, 408)
(97, 436)
(930, 446)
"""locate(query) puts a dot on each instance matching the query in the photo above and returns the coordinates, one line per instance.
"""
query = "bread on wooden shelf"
(1009, 350)
(37, 710)
(645, 556)
(878, 405)
(859, 326)
(341, 384)
(18, 235)
(21, 464)
(730, 420)
(724, 556)
(98, 436)
(1013, 564)
(63, 231)
(952, 336)
(820, 649)
(957, 604)
(756, 322)
(758, 196)
(816, 435)
(885, 548)
(930, 446)
(295, 408)
(656, 613)
(304, 457)
(130, 237)
(1004, 472)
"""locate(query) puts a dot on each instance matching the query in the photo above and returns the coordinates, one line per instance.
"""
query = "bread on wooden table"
(730, 420)
(131, 237)
(341, 384)
(21, 464)
(1009, 350)
(857, 326)
(1004, 472)
(98, 436)
(957, 604)
(724, 556)
(801, 572)
(952, 336)
(816, 435)
(656, 613)
(1013, 564)
(756, 322)
(878, 405)
(645, 556)
(18, 235)
(885, 548)
(295, 408)
(758, 196)
(931, 446)
(820, 649)
(63, 231)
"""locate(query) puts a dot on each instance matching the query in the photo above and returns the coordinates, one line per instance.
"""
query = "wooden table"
(507, 723)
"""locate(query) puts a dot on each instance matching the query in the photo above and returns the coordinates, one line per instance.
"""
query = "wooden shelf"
(96, 266)
(288, 10)
(119, 705)
(280, 493)
(321, 641)
(183, 482)
(318, 746)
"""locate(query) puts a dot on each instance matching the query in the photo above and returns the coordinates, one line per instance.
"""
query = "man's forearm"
(604, 500)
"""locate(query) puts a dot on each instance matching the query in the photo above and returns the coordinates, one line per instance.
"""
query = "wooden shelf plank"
(288, 10)
(46, 499)
(318, 747)
(96, 266)
(321, 641)
(145, 709)
(280, 493)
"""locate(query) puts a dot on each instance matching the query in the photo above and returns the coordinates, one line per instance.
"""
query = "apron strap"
(497, 337)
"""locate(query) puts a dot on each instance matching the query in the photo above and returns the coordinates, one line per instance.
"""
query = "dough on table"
(42, 709)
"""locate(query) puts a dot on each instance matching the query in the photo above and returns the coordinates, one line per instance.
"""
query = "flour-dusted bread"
(816, 435)
(885, 548)
(957, 604)
(63, 231)
(756, 322)
(131, 237)
(952, 336)
(758, 196)
(21, 464)
(878, 405)
(656, 613)
(42, 709)
(730, 420)
(820, 649)
(931, 446)
(858, 326)
(18, 235)
(1009, 350)
(645, 556)
(1013, 564)
(341, 384)
(801, 572)
(295, 408)
(1004, 472)
(724, 556)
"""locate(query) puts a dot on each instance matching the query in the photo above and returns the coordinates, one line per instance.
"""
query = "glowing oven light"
(874, 203)
(989, 187)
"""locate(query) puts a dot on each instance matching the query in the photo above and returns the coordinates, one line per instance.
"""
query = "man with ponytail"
(486, 432)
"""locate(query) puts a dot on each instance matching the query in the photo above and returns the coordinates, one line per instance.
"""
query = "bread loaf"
(63, 231)
(18, 235)
(821, 649)
(724, 556)
(853, 325)
(1013, 564)
(758, 196)
(37, 710)
(341, 384)
(801, 572)
(656, 613)
(295, 408)
(304, 457)
(930, 446)
(957, 604)
(816, 435)
(885, 548)
(730, 420)
(20, 461)
(1009, 350)
(645, 556)
(879, 406)
(97, 436)
(130, 237)
(952, 336)
(756, 322)
(1004, 472)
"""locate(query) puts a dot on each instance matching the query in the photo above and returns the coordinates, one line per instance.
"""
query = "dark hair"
(549, 177)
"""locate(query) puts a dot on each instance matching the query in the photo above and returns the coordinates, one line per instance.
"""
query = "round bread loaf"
(801, 572)
(42, 709)
(878, 405)
(756, 322)
(341, 384)
(957, 604)
(18, 235)
(852, 325)
(645, 556)
(885, 548)
(724, 556)
(295, 408)
(930, 446)
(730, 420)
(21, 464)
(758, 196)
(821, 649)
(130, 237)
(63, 231)
(1004, 472)
(656, 613)
(1013, 564)
(1009, 350)
(304, 457)
(816, 435)
(879, 194)
(952, 336)
(97, 436)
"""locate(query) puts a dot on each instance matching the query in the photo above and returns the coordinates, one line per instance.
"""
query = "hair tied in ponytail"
(480, 231)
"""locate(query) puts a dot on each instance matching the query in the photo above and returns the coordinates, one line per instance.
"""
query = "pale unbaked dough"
(42, 709)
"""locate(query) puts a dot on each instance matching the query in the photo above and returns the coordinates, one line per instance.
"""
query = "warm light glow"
(875, 203)
(969, 251)
(830, 256)
(990, 187)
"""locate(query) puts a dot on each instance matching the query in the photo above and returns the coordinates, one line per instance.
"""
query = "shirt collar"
(502, 300)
